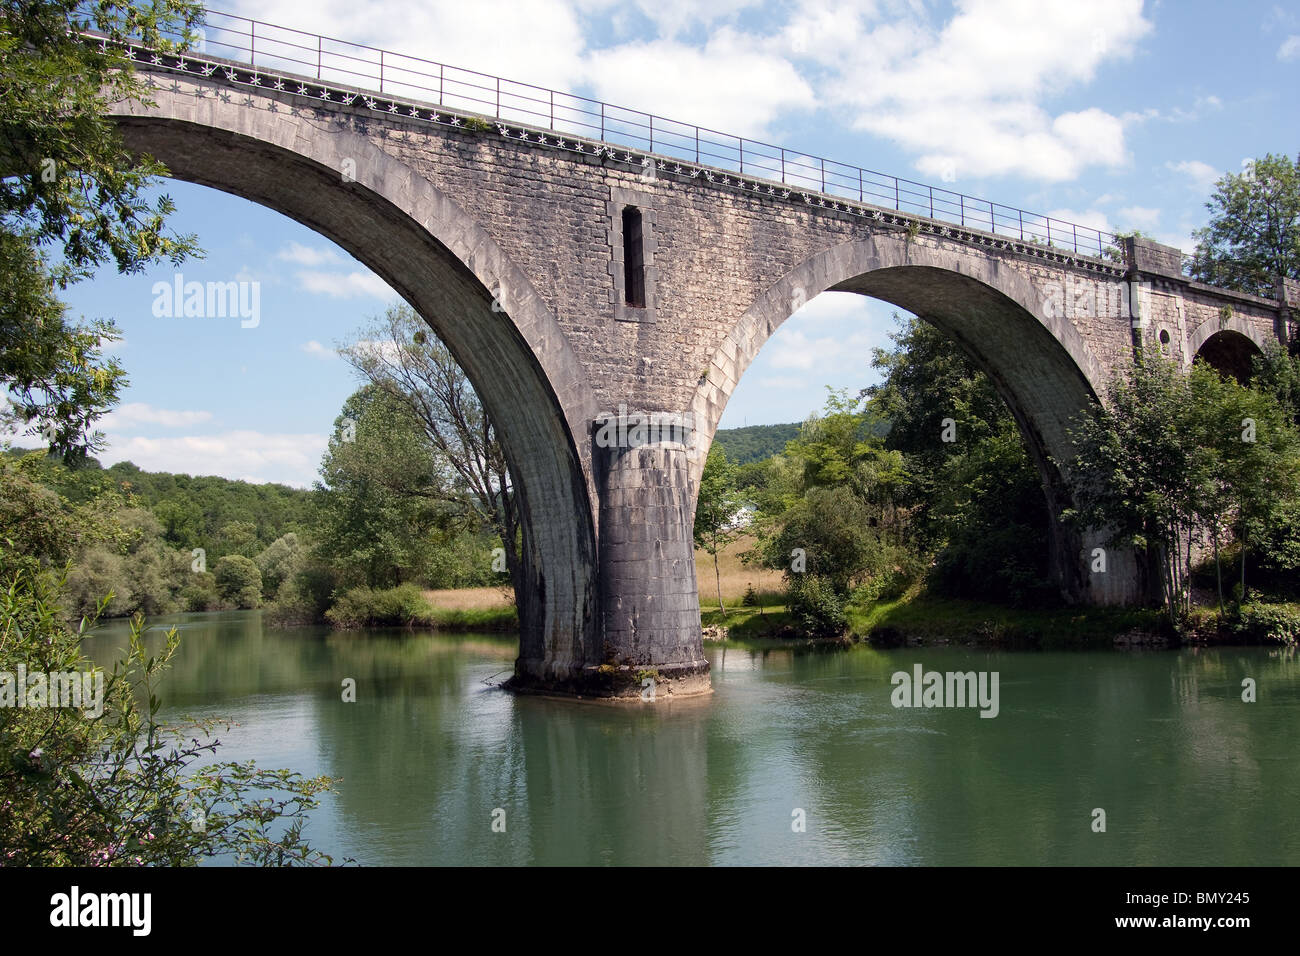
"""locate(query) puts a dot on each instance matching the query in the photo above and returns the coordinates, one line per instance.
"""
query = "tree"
(715, 510)
(975, 503)
(398, 356)
(1138, 474)
(1173, 458)
(122, 789)
(238, 581)
(379, 505)
(1253, 236)
(70, 184)
(1277, 373)
(279, 561)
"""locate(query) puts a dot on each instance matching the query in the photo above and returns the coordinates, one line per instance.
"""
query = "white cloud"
(1138, 217)
(257, 456)
(794, 349)
(1203, 176)
(316, 350)
(348, 285)
(1092, 218)
(308, 256)
(539, 41)
(727, 85)
(134, 414)
(970, 95)
(1290, 48)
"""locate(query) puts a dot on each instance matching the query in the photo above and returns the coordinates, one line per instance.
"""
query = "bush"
(98, 573)
(817, 605)
(305, 597)
(118, 788)
(239, 582)
(279, 562)
(201, 593)
(1268, 623)
(402, 606)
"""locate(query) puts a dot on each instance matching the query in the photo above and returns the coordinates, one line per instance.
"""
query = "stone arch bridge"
(574, 280)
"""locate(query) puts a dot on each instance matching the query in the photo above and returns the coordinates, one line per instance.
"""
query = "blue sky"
(1116, 113)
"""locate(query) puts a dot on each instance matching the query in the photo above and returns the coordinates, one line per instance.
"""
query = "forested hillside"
(755, 442)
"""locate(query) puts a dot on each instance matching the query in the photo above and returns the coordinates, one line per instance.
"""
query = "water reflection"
(1186, 771)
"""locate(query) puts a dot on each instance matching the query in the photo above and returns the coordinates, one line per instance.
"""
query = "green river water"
(431, 753)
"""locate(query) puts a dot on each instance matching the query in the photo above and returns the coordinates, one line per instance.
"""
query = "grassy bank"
(919, 617)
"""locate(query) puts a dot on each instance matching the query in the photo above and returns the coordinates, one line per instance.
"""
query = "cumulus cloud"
(307, 255)
(134, 414)
(1290, 48)
(539, 41)
(1202, 176)
(972, 94)
(316, 350)
(1092, 218)
(727, 85)
(1139, 217)
(344, 285)
(291, 459)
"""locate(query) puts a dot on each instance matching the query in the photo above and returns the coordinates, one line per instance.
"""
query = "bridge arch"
(1226, 345)
(447, 267)
(1034, 356)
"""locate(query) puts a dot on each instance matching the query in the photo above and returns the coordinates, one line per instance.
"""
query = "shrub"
(97, 573)
(119, 788)
(305, 597)
(239, 582)
(1268, 623)
(817, 605)
(200, 593)
(402, 606)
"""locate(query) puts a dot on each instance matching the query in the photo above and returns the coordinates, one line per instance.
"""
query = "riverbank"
(922, 619)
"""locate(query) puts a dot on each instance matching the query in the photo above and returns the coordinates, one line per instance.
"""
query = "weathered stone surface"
(512, 250)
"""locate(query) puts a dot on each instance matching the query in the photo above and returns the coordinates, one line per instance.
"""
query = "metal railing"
(274, 49)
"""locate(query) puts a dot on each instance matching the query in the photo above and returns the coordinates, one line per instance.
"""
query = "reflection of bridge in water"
(577, 257)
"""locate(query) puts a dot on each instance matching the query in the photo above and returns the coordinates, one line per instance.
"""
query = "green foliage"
(1253, 236)
(715, 509)
(401, 606)
(200, 592)
(988, 511)
(377, 532)
(1172, 459)
(1277, 373)
(122, 789)
(278, 562)
(817, 605)
(753, 443)
(1268, 623)
(304, 597)
(443, 461)
(72, 186)
(238, 581)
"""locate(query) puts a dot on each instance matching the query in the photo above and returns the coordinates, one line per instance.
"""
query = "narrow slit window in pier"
(633, 258)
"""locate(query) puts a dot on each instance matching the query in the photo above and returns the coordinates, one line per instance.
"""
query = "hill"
(755, 442)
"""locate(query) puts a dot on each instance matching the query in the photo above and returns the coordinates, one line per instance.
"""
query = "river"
(799, 755)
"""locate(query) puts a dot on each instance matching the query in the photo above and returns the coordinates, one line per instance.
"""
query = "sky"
(1118, 114)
